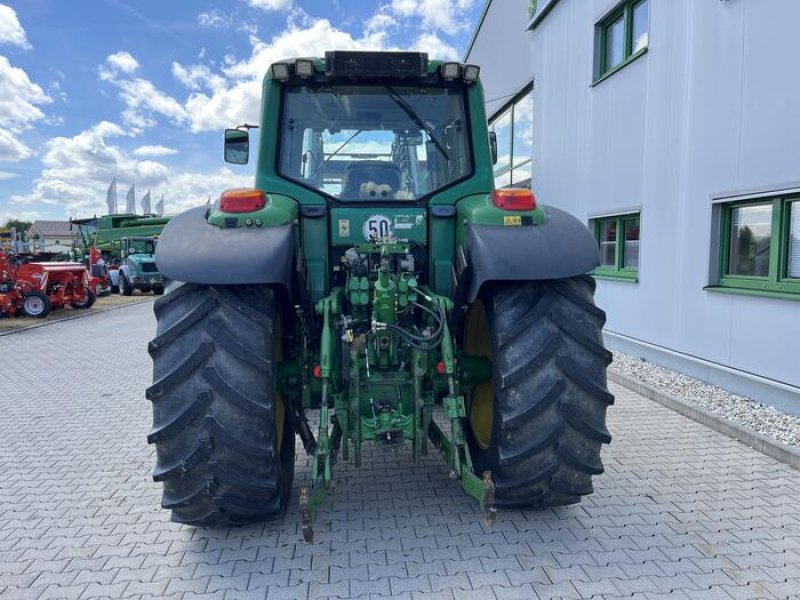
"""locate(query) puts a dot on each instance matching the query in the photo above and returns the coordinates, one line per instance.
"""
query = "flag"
(146, 203)
(160, 206)
(130, 201)
(111, 197)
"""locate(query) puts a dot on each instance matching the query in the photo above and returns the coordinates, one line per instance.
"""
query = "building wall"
(711, 108)
(502, 48)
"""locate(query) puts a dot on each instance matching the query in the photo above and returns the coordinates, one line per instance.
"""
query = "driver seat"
(379, 172)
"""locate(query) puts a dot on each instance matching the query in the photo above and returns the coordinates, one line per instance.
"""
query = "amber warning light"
(514, 199)
(242, 200)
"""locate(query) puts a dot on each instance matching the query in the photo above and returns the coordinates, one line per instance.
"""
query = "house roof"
(59, 229)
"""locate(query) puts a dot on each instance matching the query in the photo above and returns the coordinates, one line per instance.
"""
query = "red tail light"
(242, 200)
(514, 199)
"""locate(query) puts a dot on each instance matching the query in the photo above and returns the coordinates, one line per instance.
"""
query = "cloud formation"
(20, 100)
(144, 151)
(142, 100)
(271, 4)
(123, 62)
(444, 15)
(79, 169)
(11, 31)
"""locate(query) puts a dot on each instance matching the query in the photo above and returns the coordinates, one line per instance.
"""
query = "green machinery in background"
(106, 232)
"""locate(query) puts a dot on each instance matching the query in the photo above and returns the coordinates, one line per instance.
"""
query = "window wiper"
(334, 153)
(400, 101)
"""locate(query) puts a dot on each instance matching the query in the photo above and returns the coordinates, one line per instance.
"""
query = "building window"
(760, 245)
(513, 126)
(618, 239)
(622, 36)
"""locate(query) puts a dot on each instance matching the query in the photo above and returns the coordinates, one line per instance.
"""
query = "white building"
(670, 127)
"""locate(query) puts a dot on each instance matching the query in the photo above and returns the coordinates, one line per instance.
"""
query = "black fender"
(561, 247)
(193, 251)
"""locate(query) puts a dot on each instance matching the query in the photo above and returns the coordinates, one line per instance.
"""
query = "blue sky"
(142, 89)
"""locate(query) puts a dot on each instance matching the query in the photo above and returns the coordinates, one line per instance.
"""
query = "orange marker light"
(514, 199)
(242, 200)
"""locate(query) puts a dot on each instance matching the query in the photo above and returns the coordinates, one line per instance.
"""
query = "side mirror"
(493, 146)
(237, 146)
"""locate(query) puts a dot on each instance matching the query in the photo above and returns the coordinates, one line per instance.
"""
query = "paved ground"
(681, 512)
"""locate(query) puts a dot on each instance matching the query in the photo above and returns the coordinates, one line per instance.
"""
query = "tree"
(19, 225)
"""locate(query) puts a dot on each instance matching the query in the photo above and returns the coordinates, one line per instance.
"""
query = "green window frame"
(777, 257)
(513, 125)
(618, 239)
(627, 27)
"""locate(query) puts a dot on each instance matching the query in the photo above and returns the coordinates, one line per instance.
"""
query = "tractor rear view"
(375, 276)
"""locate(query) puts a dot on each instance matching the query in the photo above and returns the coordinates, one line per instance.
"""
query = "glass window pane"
(521, 176)
(502, 128)
(374, 140)
(630, 255)
(794, 239)
(615, 43)
(503, 180)
(523, 130)
(608, 243)
(750, 237)
(640, 26)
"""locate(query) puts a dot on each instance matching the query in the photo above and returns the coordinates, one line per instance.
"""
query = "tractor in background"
(137, 268)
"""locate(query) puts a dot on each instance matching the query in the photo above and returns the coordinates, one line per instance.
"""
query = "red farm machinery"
(35, 288)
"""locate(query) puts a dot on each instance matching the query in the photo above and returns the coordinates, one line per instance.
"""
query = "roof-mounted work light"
(280, 71)
(471, 73)
(304, 68)
(449, 70)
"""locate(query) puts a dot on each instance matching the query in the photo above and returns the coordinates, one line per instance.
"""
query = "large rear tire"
(224, 443)
(540, 424)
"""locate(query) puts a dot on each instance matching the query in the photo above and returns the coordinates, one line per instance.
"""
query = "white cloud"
(11, 149)
(11, 31)
(271, 4)
(78, 170)
(196, 77)
(445, 15)
(7, 175)
(143, 101)
(435, 47)
(233, 97)
(145, 151)
(123, 62)
(20, 100)
(214, 18)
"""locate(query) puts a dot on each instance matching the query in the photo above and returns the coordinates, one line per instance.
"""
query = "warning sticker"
(344, 227)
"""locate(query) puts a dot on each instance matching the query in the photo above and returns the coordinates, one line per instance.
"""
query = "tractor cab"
(138, 269)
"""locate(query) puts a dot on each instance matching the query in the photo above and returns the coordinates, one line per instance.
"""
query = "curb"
(81, 315)
(745, 435)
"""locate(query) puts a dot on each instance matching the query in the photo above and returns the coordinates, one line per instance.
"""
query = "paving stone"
(681, 512)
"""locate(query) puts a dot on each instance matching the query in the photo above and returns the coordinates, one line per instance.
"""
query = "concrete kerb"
(79, 315)
(745, 435)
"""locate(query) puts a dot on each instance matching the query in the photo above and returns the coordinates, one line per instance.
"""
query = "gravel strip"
(766, 420)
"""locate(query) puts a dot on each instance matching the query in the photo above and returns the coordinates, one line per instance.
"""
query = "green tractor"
(138, 269)
(374, 276)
